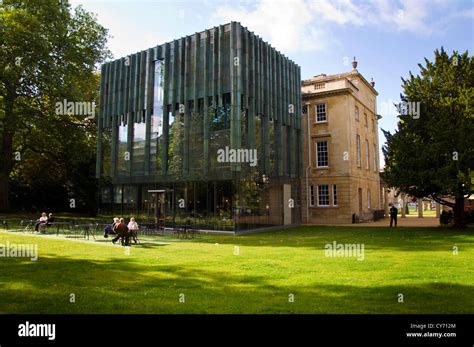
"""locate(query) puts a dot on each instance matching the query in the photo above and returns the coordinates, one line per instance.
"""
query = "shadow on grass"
(126, 286)
(316, 237)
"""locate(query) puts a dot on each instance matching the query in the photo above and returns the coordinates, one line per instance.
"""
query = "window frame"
(327, 155)
(375, 157)
(358, 149)
(334, 196)
(328, 197)
(367, 155)
(325, 113)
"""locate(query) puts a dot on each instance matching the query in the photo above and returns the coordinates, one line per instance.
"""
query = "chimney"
(372, 82)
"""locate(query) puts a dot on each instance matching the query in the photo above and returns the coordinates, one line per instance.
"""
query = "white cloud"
(128, 39)
(340, 12)
(127, 34)
(411, 16)
(300, 25)
(405, 15)
(285, 24)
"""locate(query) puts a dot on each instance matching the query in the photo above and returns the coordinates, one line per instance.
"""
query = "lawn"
(245, 274)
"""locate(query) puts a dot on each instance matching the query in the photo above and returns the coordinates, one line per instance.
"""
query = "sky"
(388, 37)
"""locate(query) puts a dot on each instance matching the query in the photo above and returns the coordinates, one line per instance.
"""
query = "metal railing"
(76, 228)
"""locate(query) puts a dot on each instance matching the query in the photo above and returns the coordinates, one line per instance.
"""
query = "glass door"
(156, 206)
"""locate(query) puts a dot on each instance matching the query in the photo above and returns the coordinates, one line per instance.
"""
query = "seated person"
(50, 220)
(122, 232)
(109, 229)
(133, 229)
(42, 220)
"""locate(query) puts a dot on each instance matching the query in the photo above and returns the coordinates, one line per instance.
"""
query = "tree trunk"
(6, 150)
(459, 212)
(4, 205)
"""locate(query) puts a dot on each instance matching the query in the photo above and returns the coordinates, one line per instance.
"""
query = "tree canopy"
(49, 53)
(431, 153)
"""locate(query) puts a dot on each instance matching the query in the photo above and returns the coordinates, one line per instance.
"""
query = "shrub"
(469, 216)
(446, 217)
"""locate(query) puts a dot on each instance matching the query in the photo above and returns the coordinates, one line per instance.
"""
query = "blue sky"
(388, 38)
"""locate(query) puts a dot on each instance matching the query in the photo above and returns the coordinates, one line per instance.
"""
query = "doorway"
(156, 206)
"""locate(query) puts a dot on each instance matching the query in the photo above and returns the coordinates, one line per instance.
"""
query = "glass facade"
(138, 150)
(200, 129)
(157, 121)
(175, 143)
(123, 156)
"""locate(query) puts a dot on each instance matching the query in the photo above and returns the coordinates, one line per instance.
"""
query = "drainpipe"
(378, 151)
(308, 197)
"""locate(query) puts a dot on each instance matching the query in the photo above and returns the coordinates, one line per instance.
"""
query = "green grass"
(416, 262)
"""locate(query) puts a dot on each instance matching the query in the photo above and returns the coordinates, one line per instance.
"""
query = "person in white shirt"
(133, 229)
(42, 220)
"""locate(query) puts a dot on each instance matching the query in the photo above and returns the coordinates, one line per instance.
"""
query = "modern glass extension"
(205, 128)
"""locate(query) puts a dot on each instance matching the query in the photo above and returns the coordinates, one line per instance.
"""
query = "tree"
(431, 152)
(48, 53)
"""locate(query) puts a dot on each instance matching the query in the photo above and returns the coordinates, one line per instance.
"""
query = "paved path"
(404, 222)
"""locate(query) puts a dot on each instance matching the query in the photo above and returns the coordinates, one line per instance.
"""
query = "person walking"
(393, 215)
